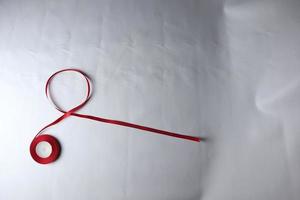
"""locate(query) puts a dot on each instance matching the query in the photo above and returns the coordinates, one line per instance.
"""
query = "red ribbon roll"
(55, 148)
(72, 112)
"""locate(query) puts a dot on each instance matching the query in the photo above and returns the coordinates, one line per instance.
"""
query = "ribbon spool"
(54, 152)
(53, 142)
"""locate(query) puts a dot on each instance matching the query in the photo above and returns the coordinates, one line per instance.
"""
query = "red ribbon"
(72, 112)
(116, 122)
(55, 146)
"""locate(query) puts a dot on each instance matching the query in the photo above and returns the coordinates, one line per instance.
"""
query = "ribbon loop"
(88, 93)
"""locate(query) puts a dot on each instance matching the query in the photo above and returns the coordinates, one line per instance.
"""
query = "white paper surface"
(224, 70)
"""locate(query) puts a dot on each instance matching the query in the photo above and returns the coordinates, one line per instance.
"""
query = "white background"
(224, 70)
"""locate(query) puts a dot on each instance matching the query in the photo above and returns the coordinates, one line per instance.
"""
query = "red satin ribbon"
(55, 146)
(100, 119)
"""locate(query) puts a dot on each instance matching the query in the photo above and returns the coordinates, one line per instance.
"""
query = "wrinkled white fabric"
(224, 70)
